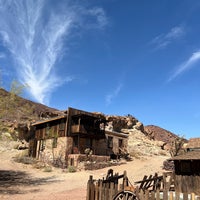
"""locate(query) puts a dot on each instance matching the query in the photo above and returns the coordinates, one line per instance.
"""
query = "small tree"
(176, 146)
(12, 107)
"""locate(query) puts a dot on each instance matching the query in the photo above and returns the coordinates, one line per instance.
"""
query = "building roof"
(48, 120)
(190, 155)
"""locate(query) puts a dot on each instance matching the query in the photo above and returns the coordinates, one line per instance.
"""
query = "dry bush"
(24, 158)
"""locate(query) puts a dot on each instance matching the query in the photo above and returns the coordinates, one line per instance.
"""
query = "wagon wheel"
(125, 195)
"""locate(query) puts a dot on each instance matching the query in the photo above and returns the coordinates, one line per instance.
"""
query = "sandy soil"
(20, 181)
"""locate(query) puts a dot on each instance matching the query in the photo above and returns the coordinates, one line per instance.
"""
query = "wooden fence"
(106, 189)
(150, 188)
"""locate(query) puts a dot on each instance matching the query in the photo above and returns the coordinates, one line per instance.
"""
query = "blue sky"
(117, 57)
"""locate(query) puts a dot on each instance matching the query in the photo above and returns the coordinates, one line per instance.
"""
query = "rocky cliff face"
(140, 141)
(117, 123)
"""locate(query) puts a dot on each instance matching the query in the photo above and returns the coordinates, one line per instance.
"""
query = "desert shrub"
(24, 158)
(47, 169)
(71, 169)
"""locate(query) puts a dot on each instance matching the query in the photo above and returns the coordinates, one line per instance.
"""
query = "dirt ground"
(23, 182)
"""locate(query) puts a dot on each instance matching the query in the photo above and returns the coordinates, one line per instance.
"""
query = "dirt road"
(23, 182)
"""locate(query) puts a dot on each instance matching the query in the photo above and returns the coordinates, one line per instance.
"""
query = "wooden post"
(157, 194)
(97, 191)
(89, 187)
(165, 194)
(100, 189)
(185, 196)
(125, 181)
(177, 195)
(192, 196)
(153, 195)
(112, 190)
(146, 194)
(171, 197)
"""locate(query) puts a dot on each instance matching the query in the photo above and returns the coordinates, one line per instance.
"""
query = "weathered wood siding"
(187, 184)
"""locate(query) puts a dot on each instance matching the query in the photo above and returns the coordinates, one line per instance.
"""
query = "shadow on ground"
(16, 182)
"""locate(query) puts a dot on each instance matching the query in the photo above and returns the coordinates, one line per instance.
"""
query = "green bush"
(71, 169)
(47, 169)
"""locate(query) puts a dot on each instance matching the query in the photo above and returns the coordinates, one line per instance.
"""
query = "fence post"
(177, 195)
(157, 194)
(152, 195)
(89, 188)
(146, 195)
(125, 181)
(171, 197)
(100, 189)
(185, 196)
(97, 191)
(192, 196)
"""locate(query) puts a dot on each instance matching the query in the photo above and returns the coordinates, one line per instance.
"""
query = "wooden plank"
(92, 191)
(89, 187)
(148, 182)
(146, 195)
(192, 196)
(157, 194)
(100, 190)
(153, 196)
(165, 194)
(111, 190)
(142, 182)
(151, 179)
(97, 191)
(185, 196)
(177, 195)
(106, 191)
(141, 195)
(171, 196)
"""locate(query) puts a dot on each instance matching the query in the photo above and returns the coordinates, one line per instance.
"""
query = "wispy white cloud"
(109, 97)
(100, 16)
(163, 40)
(36, 35)
(188, 64)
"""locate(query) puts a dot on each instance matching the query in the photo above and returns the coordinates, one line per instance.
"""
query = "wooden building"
(187, 172)
(71, 135)
(50, 129)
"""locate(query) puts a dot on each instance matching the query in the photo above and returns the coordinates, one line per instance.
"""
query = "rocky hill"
(160, 134)
(19, 104)
(16, 113)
